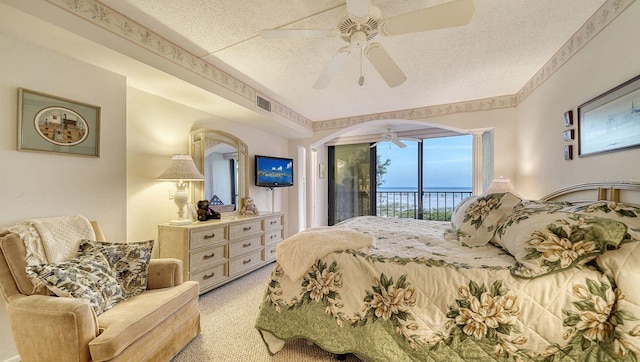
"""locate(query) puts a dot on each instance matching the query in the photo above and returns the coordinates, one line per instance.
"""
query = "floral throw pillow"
(545, 243)
(129, 261)
(619, 211)
(477, 217)
(89, 277)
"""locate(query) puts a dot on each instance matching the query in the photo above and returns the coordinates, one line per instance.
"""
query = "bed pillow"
(89, 277)
(129, 261)
(476, 218)
(619, 211)
(545, 243)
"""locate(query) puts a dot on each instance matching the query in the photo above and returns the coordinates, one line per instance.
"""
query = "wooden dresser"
(216, 252)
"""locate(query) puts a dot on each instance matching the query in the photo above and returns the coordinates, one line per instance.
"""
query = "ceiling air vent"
(264, 104)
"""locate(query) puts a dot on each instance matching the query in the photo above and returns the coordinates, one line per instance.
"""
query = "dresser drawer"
(206, 236)
(206, 257)
(271, 236)
(210, 276)
(241, 247)
(272, 222)
(245, 262)
(269, 252)
(239, 231)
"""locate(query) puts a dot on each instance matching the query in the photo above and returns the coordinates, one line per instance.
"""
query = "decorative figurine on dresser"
(205, 212)
(248, 207)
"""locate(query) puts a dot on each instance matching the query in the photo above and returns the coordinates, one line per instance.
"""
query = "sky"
(447, 163)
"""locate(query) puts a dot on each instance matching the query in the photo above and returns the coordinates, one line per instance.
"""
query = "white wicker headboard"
(593, 191)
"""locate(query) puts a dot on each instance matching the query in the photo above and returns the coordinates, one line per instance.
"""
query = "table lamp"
(182, 169)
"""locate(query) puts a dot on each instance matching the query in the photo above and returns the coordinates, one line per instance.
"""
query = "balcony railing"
(436, 205)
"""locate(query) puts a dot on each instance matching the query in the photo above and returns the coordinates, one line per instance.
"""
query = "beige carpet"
(228, 315)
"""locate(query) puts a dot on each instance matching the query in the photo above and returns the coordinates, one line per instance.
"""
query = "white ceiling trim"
(109, 19)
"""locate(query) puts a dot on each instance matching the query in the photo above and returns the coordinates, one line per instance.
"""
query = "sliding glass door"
(350, 188)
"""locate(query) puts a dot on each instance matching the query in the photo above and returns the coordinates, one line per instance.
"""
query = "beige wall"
(608, 60)
(41, 184)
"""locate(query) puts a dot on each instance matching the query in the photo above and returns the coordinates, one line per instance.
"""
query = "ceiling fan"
(361, 22)
(393, 137)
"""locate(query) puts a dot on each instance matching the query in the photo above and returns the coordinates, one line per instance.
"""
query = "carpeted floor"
(228, 315)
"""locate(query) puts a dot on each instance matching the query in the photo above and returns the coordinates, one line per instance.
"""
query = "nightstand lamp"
(182, 169)
(501, 185)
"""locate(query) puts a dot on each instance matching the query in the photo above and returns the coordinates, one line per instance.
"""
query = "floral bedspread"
(419, 295)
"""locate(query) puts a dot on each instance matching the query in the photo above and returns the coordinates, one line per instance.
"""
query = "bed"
(507, 279)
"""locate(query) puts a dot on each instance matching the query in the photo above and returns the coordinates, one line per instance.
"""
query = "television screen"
(274, 171)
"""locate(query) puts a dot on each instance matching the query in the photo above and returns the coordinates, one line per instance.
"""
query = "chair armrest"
(164, 273)
(50, 322)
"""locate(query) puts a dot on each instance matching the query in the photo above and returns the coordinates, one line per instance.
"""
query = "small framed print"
(568, 135)
(568, 152)
(48, 123)
(568, 118)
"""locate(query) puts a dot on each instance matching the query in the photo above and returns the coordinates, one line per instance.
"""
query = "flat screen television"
(274, 171)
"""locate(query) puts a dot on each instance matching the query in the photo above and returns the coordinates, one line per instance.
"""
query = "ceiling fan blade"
(388, 69)
(454, 13)
(359, 8)
(399, 144)
(410, 139)
(297, 33)
(332, 69)
(375, 144)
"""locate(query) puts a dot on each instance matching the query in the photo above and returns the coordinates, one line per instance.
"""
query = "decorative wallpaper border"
(421, 113)
(118, 24)
(109, 19)
(596, 23)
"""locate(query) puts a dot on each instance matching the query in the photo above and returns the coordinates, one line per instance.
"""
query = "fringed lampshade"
(181, 170)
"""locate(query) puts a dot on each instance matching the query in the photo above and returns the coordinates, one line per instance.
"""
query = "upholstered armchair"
(152, 326)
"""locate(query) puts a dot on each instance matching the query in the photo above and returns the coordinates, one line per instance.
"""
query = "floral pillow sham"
(475, 219)
(129, 262)
(619, 211)
(88, 277)
(550, 242)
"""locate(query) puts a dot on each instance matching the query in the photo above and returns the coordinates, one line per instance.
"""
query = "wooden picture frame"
(568, 118)
(568, 152)
(568, 135)
(611, 121)
(47, 123)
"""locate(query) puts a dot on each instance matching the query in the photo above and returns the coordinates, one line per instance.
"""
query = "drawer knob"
(213, 235)
(209, 256)
(272, 251)
(246, 261)
(246, 228)
(272, 236)
(207, 276)
(246, 245)
(273, 222)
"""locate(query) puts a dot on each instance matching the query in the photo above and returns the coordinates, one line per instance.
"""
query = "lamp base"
(180, 222)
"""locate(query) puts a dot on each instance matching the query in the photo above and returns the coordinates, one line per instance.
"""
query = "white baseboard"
(13, 359)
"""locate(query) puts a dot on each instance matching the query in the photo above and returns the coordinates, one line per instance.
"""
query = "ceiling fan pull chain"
(361, 79)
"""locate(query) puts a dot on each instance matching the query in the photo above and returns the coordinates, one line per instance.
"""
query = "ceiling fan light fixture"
(358, 39)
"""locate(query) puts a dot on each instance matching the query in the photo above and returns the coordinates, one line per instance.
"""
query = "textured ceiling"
(504, 45)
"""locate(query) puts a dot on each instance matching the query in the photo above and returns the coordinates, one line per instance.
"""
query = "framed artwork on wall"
(568, 152)
(568, 135)
(611, 121)
(568, 118)
(47, 123)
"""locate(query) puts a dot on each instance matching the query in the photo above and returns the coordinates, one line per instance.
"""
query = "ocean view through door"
(424, 180)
